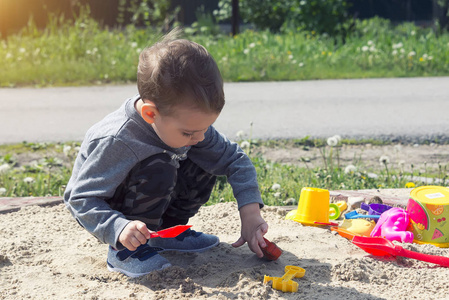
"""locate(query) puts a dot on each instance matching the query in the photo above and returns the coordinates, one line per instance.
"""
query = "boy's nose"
(198, 137)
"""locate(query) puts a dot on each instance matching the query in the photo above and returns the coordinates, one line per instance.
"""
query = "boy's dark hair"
(176, 71)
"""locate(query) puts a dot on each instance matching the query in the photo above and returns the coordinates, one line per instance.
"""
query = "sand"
(45, 254)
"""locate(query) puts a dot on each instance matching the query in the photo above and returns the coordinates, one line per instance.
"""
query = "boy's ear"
(149, 112)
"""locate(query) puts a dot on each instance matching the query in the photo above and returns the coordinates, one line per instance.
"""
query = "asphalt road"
(399, 108)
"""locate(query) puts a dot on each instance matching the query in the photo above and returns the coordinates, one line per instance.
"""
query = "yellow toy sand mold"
(313, 208)
(285, 283)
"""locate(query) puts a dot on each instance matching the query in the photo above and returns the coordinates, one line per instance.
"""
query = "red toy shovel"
(170, 232)
(380, 247)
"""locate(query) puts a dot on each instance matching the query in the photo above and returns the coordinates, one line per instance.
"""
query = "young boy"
(152, 163)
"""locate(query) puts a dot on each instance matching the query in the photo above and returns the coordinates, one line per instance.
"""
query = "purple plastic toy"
(392, 225)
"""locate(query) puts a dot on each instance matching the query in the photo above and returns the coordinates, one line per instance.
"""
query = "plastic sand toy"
(335, 209)
(392, 225)
(285, 283)
(271, 251)
(313, 208)
(358, 226)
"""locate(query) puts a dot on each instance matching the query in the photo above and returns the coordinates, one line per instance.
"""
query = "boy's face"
(185, 127)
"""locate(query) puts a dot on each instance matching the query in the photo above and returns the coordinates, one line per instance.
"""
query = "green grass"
(82, 52)
(40, 169)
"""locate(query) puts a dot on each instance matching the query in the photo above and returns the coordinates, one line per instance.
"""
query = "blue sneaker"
(188, 241)
(143, 260)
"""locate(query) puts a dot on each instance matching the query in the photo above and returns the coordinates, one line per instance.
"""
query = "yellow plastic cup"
(313, 206)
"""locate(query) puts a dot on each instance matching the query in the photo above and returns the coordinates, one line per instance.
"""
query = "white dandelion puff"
(332, 141)
(275, 186)
(350, 169)
(383, 160)
(4, 168)
(28, 180)
(66, 150)
(245, 144)
(240, 134)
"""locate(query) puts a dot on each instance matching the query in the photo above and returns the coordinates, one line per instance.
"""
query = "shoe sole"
(134, 275)
(192, 251)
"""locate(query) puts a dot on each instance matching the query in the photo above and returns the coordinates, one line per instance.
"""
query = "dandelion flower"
(372, 176)
(8, 55)
(277, 195)
(301, 64)
(240, 134)
(246, 51)
(4, 168)
(22, 50)
(384, 160)
(409, 185)
(28, 180)
(275, 186)
(397, 46)
(290, 57)
(66, 150)
(332, 141)
(370, 43)
(133, 45)
(350, 169)
(365, 48)
(252, 45)
(395, 52)
(411, 53)
(2, 191)
(244, 144)
(397, 148)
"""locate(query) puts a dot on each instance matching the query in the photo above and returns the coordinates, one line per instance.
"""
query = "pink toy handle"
(434, 259)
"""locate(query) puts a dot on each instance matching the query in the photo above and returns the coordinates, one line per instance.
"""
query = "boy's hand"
(134, 234)
(254, 228)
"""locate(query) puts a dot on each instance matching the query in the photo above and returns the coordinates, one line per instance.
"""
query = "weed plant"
(82, 52)
(44, 170)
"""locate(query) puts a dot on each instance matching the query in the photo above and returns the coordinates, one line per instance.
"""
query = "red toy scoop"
(381, 247)
(170, 232)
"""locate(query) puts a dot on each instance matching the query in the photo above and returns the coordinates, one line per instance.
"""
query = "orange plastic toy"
(271, 251)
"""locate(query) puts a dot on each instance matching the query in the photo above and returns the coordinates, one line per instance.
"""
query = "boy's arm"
(253, 229)
(98, 170)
